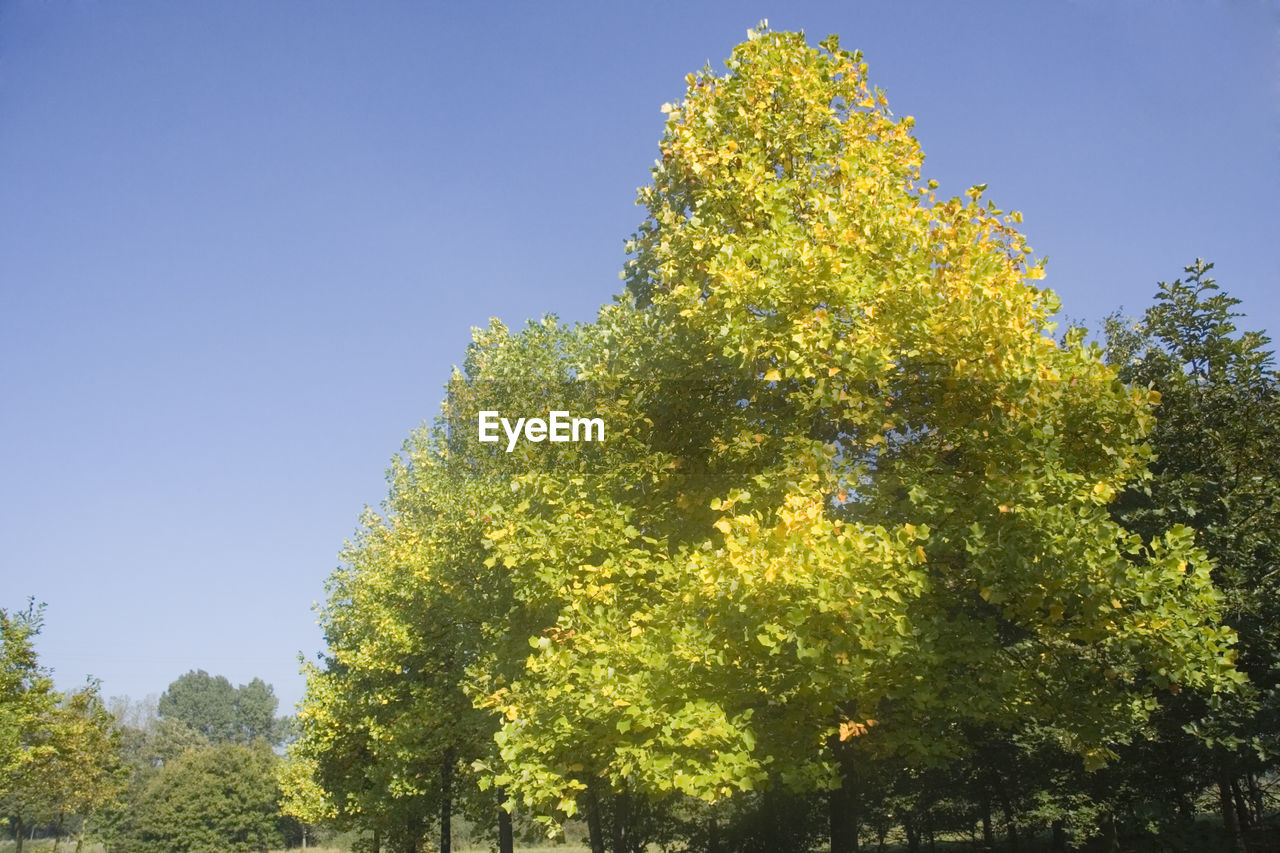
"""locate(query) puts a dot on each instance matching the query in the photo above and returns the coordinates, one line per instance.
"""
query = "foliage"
(58, 753)
(219, 797)
(222, 713)
(1217, 467)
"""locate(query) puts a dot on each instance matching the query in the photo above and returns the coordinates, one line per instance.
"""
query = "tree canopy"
(220, 712)
(854, 503)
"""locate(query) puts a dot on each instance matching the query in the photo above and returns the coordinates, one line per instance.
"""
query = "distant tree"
(203, 702)
(221, 797)
(255, 706)
(222, 713)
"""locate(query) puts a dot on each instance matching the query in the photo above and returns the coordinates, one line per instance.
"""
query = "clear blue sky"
(241, 244)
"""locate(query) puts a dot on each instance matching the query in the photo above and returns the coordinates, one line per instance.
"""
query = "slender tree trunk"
(1011, 824)
(506, 838)
(377, 841)
(1110, 837)
(1230, 821)
(913, 837)
(713, 835)
(621, 822)
(844, 837)
(17, 834)
(595, 832)
(1256, 800)
(446, 802)
(304, 838)
(57, 832)
(842, 806)
(1058, 844)
(988, 832)
(1242, 807)
(414, 829)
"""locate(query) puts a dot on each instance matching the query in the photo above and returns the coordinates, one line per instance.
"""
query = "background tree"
(219, 797)
(222, 713)
(1217, 468)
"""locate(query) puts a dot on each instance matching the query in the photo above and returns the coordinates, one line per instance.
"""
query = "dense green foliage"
(219, 797)
(1217, 468)
(222, 713)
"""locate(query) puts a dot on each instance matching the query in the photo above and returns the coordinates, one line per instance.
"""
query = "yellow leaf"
(851, 729)
(772, 376)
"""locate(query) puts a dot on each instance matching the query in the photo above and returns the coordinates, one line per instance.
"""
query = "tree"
(877, 503)
(58, 754)
(1217, 467)
(301, 796)
(853, 505)
(219, 797)
(222, 713)
(401, 638)
(84, 774)
(28, 703)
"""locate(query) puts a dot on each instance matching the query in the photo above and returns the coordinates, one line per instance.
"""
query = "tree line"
(870, 551)
(196, 770)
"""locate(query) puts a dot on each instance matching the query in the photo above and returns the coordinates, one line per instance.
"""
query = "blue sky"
(242, 244)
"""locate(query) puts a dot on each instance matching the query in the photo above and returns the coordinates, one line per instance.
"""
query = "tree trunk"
(377, 841)
(1256, 799)
(913, 837)
(988, 832)
(1011, 825)
(842, 807)
(1110, 837)
(618, 826)
(17, 834)
(446, 802)
(1058, 844)
(595, 832)
(1230, 821)
(713, 835)
(1242, 808)
(304, 838)
(411, 840)
(506, 838)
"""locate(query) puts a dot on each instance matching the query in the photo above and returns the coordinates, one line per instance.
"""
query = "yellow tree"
(856, 494)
